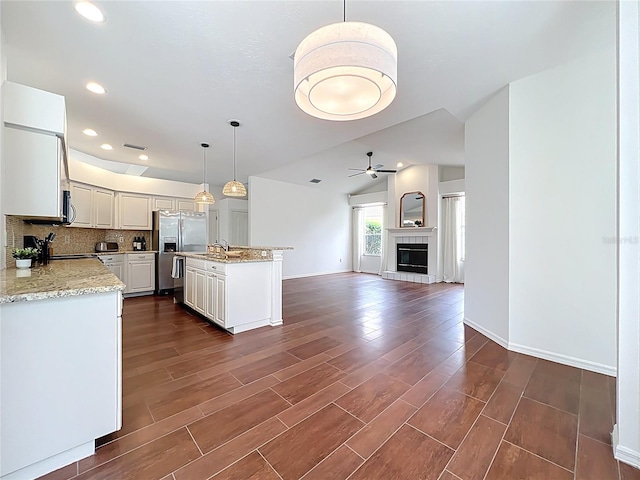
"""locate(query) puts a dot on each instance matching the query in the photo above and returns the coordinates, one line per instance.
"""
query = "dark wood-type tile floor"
(366, 379)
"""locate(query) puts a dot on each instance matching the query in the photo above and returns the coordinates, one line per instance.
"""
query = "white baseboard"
(316, 274)
(623, 453)
(564, 359)
(544, 354)
(499, 340)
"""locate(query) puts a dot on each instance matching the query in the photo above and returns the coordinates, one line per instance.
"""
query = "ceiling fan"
(371, 170)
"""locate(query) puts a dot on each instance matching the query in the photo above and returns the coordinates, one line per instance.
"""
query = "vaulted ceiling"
(177, 71)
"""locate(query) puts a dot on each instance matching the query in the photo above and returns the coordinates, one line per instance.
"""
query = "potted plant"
(24, 256)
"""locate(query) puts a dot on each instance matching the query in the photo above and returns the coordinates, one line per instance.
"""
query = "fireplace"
(412, 257)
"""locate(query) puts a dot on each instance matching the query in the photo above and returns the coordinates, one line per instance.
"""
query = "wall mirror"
(412, 209)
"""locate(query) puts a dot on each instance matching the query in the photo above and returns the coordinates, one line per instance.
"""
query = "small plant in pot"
(24, 256)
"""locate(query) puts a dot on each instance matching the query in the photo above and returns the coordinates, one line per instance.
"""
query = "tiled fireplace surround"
(410, 235)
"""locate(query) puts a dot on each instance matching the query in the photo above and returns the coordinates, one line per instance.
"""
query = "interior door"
(239, 227)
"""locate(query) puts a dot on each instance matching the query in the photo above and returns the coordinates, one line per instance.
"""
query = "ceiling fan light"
(234, 189)
(345, 71)
(205, 198)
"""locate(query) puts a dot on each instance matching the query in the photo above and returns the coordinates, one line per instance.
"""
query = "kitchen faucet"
(224, 245)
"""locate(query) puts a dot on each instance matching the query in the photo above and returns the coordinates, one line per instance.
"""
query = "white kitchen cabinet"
(134, 211)
(216, 298)
(186, 205)
(37, 110)
(174, 204)
(103, 203)
(210, 311)
(31, 179)
(189, 286)
(61, 380)
(164, 203)
(94, 206)
(236, 296)
(221, 300)
(141, 273)
(33, 151)
(116, 264)
(200, 297)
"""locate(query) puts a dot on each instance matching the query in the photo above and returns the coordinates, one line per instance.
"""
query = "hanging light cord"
(234, 153)
(344, 10)
(204, 161)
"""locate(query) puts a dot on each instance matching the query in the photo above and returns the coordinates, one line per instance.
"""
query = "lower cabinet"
(216, 298)
(200, 298)
(141, 273)
(189, 286)
(116, 264)
(236, 296)
(61, 380)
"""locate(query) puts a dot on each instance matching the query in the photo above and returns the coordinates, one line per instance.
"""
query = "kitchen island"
(239, 289)
(61, 359)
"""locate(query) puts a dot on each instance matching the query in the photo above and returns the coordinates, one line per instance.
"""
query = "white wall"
(486, 299)
(416, 178)
(224, 206)
(627, 431)
(316, 223)
(450, 173)
(562, 180)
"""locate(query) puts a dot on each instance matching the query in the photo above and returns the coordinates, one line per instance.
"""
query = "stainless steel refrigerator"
(176, 232)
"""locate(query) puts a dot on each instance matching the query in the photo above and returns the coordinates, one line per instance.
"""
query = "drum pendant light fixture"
(234, 188)
(204, 197)
(345, 71)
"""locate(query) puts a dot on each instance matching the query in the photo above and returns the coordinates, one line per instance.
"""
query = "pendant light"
(345, 71)
(204, 197)
(234, 188)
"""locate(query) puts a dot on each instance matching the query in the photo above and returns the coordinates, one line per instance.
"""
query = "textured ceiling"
(177, 71)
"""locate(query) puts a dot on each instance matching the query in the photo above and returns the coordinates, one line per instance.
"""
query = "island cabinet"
(60, 362)
(237, 296)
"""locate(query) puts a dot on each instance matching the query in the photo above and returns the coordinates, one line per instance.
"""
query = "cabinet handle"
(141, 256)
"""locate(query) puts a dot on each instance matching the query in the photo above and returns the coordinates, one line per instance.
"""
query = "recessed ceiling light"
(144, 157)
(96, 88)
(90, 132)
(89, 11)
(106, 146)
(399, 164)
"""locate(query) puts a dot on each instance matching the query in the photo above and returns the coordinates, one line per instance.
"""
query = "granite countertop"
(59, 278)
(213, 258)
(245, 247)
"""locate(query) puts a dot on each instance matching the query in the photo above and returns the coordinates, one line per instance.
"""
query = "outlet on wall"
(340, 260)
(67, 238)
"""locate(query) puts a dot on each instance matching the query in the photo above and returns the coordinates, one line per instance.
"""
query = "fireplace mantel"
(428, 235)
(412, 231)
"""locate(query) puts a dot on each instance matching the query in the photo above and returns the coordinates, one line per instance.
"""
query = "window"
(373, 230)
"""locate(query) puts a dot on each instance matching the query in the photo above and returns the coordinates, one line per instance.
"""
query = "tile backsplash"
(68, 239)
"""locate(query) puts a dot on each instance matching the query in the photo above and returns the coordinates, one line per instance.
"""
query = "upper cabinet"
(170, 203)
(134, 211)
(33, 151)
(33, 109)
(94, 206)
